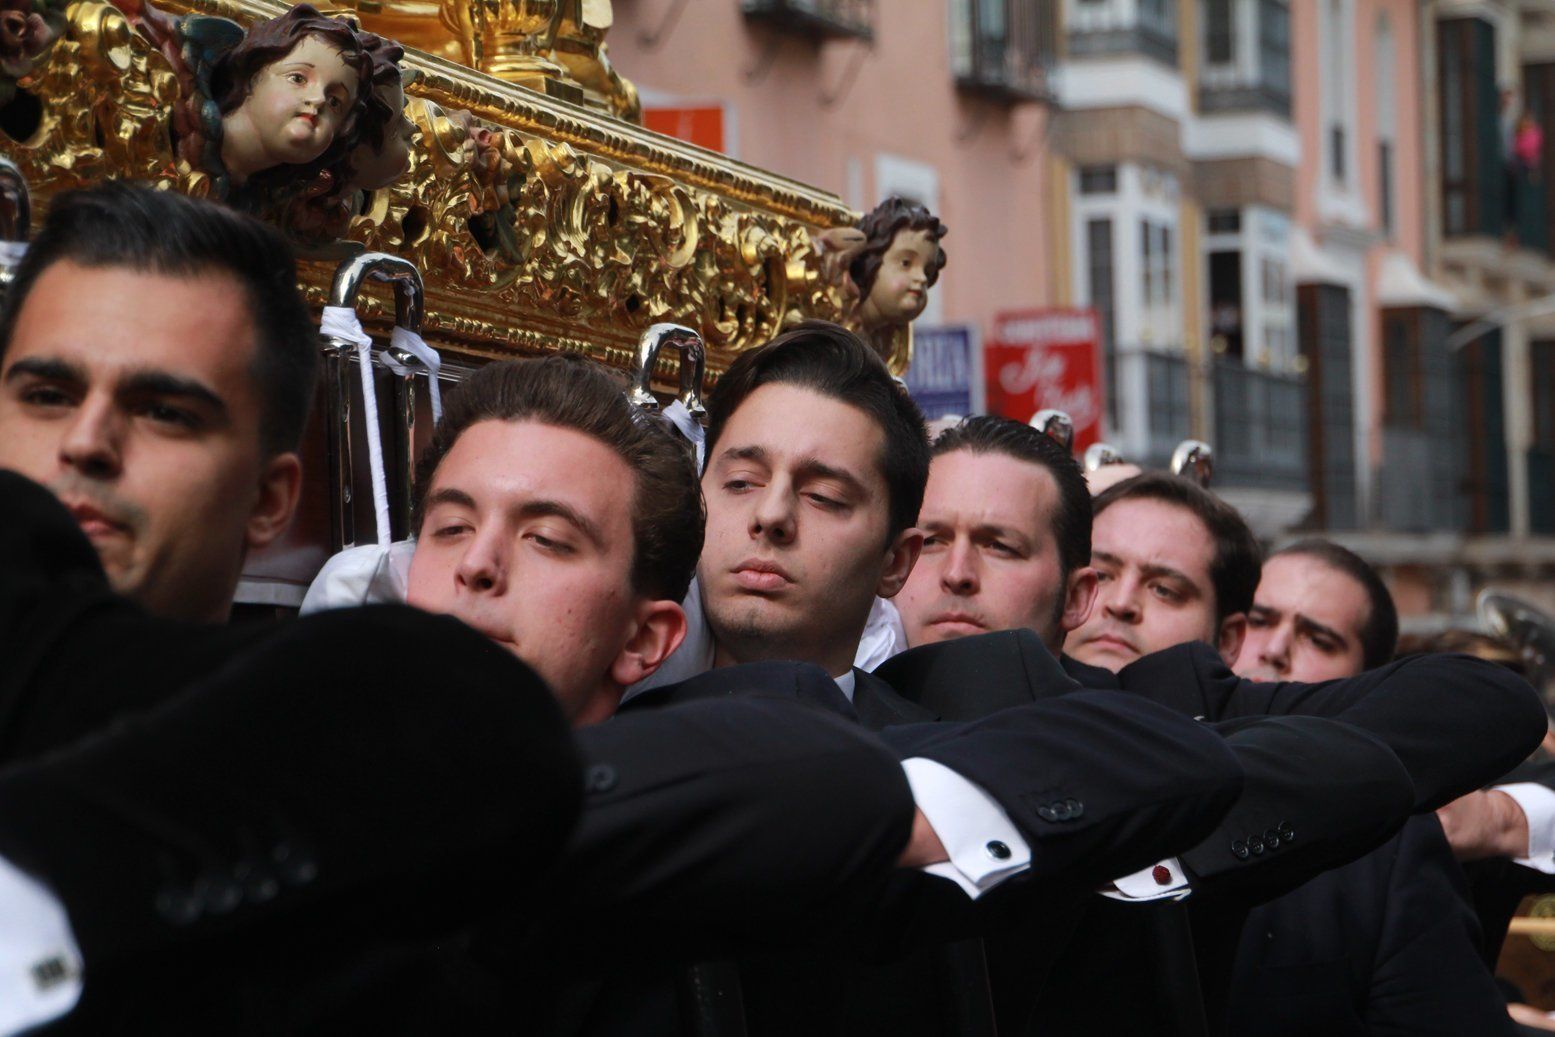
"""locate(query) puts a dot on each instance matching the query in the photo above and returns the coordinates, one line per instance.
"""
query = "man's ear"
(1079, 599)
(1233, 631)
(280, 487)
(900, 557)
(660, 627)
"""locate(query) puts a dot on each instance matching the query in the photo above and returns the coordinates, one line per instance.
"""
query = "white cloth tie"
(680, 416)
(341, 322)
(415, 345)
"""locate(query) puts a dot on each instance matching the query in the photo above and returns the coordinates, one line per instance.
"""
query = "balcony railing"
(1260, 431)
(1148, 27)
(1004, 48)
(1167, 417)
(823, 19)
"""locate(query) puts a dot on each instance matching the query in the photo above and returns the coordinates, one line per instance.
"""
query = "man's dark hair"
(572, 393)
(833, 361)
(1234, 570)
(1379, 633)
(119, 224)
(880, 227)
(1071, 518)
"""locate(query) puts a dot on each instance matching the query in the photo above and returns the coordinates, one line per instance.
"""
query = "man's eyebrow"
(1146, 569)
(51, 368)
(164, 383)
(1150, 569)
(1314, 627)
(565, 512)
(448, 495)
(815, 468)
(745, 453)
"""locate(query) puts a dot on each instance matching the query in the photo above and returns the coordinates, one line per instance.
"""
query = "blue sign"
(944, 378)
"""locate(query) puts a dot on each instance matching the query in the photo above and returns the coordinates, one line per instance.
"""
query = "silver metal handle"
(1099, 455)
(1193, 459)
(409, 308)
(15, 225)
(1057, 426)
(693, 366)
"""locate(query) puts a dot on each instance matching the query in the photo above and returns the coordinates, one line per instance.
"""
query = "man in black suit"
(815, 469)
(521, 489)
(1388, 942)
(89, 422)
(1017, 558)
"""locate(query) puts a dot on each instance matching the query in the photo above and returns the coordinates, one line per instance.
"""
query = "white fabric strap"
(11, 252)
(688, 426)
(341, 322)
(415, 345)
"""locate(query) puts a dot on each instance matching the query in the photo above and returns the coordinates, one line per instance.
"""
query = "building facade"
(945, 102)
(1317, 233)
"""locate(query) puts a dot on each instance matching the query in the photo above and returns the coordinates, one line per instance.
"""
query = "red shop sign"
(1050, 357)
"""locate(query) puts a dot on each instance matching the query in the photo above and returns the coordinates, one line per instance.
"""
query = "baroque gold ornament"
(538, 224)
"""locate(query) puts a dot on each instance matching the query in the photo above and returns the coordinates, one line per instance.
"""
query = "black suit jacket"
(1167, 949)
(1386, 944)
(1131, 779)
(305, 817)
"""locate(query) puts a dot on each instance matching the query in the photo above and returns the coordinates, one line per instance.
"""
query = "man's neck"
(834, 660)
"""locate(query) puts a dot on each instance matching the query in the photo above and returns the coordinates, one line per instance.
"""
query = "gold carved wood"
(592, 228)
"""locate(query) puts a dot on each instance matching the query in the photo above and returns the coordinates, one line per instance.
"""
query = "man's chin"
(1107, 656)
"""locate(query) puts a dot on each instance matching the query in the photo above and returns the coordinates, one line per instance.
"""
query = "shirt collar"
(845, 682)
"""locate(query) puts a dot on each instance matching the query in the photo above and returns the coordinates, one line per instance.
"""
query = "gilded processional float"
(464, 180)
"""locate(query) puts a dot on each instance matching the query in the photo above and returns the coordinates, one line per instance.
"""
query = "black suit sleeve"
(720, 823)
(1318, 793)
(1100, 783)
(313, 780)
(1454, 722)
(73, 655)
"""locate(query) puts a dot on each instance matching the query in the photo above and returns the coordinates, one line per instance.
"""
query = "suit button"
(1240, 849)
(294, 866)
(177, 906)
(601, 777)
(1076, 808)
(1286, 831)
(1255, 844)
(221, 894)
(260, 888)
(997, 850)
(1272, 838)
(1046, 813)
(1061, 810)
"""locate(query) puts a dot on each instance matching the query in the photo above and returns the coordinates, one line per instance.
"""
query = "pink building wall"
(1308, 69)
(805, 109)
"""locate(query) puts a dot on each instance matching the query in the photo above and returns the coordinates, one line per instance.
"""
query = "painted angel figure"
(891, 260)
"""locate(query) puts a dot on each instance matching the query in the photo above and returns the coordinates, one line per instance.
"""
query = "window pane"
(1220, 32)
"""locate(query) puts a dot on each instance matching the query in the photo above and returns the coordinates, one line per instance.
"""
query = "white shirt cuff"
(1162, 881)
(40, 964)
(984, 845)
(1538, 805)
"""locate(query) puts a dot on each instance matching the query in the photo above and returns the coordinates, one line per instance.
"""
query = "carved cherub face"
(297, 104)
(381, 166)
(901, 288)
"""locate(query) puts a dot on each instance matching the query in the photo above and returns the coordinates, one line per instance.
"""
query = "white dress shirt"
(40, 964)
(1538, 806)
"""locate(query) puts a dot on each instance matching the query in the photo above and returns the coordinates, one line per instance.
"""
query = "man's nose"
(959, 572)
(93, 444)
(483, 569)
(772, 516)
(1121, 600)
(1276, 650)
